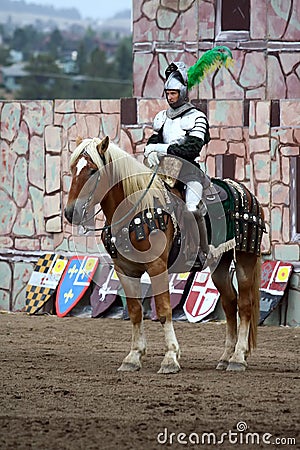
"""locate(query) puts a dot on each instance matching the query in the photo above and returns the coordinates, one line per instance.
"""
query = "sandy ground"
(60, 388)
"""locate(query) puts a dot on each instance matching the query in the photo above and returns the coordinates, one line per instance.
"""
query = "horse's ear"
(78, 140)
(102, 147)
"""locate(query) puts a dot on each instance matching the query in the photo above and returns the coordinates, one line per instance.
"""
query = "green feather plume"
(209, 61)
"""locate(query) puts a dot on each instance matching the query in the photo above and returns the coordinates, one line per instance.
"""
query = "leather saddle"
(169, 169)
(214, 193)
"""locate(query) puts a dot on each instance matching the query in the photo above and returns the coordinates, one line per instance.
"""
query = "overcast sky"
(97, 9)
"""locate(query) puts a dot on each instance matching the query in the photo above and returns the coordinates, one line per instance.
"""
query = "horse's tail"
(255, 291)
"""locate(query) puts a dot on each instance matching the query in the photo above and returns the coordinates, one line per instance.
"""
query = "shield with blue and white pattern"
(74, 282)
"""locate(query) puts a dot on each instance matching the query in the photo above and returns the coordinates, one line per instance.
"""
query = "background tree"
(27, 40)
(100, 78)
(124, 59)
(55, 43)
(44, 81)
(82, 65)
(4, 56)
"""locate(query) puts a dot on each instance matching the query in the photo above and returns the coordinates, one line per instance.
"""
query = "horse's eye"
(93, 171)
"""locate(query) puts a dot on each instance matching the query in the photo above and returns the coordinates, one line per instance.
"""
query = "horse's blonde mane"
(134, 175)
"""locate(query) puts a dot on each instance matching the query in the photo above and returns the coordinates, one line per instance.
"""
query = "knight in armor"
(182, 130)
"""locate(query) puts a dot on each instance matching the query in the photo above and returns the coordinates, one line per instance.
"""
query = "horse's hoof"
(236, 367)
(222, 365)
(169, 368)
(129, 367)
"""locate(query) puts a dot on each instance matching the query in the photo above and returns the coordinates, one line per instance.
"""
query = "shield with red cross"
(74, 282)
(202, 297)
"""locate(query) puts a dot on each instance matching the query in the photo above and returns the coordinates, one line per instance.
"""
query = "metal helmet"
(176, 79)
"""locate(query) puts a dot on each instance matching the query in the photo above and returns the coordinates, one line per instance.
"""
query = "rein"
(107, 227)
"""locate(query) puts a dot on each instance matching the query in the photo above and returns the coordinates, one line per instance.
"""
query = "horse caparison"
(103, 173)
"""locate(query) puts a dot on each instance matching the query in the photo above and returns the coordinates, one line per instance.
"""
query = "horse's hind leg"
(222, 280)
(248, 277)
(133, 360)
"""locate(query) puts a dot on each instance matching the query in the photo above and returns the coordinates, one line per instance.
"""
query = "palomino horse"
(125, 188)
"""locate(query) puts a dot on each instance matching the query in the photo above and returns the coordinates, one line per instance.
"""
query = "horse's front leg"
(133, 360)
(170, 362)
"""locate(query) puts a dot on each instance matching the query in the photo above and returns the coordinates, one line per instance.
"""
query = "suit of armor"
(182, 131)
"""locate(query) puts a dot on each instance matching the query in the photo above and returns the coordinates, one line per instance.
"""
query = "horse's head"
(86, 161)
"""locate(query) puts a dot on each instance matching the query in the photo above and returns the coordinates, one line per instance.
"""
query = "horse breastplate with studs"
(143, 222)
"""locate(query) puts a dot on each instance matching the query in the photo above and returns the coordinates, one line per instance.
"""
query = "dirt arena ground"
(60, 388)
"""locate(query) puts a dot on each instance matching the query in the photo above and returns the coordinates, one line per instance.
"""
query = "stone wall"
(256, 124)
(37, 139)
(253, 110)
(266, 58)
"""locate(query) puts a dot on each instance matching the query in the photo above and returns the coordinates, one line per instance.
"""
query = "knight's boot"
(198, 249)
(203, 252)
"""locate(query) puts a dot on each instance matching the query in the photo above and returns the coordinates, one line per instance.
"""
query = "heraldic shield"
(202, 297)
(74, 282)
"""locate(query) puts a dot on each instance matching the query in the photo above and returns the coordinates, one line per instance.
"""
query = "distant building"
(15, 56)
(11, 76)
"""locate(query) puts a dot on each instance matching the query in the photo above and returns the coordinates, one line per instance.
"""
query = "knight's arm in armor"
(189, 150)
(196, 137)
(186, 145)
(156, 138)
(155, 147)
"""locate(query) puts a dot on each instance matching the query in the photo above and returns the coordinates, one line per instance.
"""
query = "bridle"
(91, 194)
(85, 207)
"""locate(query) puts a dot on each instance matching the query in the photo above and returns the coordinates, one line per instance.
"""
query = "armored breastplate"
(172, 131)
